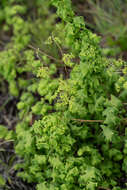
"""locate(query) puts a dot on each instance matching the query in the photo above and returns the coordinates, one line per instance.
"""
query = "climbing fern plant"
(72, 133)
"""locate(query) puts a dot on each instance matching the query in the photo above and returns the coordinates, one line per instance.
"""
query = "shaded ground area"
(8, 118)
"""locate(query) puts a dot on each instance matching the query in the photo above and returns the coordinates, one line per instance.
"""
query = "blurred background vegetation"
(107, 18)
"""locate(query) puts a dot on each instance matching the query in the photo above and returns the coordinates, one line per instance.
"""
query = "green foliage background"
(71, 131)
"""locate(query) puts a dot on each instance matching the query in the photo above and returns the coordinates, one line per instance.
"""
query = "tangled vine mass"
(71, 100)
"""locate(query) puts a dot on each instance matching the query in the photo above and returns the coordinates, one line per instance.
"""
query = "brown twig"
(125, 119)
(7, 121)
(104, 188)
(89, 121)
(6, 102)
(49, 56)
(4, 142)
(60, 49)
(92, 121)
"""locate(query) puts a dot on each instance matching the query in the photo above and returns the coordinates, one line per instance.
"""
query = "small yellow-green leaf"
(2, 181)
